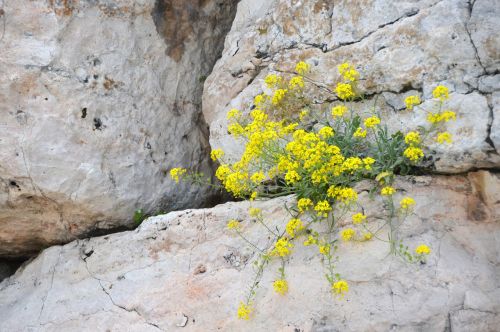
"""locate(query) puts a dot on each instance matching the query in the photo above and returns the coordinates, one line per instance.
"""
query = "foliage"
(293, 146)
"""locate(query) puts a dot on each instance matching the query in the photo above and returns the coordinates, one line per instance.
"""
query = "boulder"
(98, 100)
(399, 49)
(185, 271)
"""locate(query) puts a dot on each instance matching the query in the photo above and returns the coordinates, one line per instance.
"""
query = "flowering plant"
(295, 147)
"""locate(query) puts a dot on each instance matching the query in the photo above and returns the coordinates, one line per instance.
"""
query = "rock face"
(399, 50)
(98, 100)
(186, 269)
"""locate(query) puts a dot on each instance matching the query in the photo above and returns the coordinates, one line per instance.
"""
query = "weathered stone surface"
(98, 100)
(400, 49)
(186, 264)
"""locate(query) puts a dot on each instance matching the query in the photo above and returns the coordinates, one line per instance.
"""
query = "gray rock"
(186, 264)
(98, 100)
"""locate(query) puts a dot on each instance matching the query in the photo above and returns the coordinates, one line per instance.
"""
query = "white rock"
(186, 264)
(98, 100)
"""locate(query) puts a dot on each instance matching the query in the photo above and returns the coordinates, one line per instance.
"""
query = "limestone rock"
(98, 100)
(186, 269)
(399, 49)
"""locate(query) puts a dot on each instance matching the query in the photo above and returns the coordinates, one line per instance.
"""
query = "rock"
(399, 50)
(98, 100)
(186, 269)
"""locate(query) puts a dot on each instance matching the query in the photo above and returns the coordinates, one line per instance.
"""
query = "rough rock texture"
(185, 268)
(400, 49)
(98, 100)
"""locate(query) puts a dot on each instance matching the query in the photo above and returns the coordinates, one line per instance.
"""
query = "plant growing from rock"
(295, 147)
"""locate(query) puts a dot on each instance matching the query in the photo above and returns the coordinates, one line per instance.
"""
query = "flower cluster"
(293, 147)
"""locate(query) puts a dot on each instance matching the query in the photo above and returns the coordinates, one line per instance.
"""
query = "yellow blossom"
(233, 113)
(444, 137)
(272, 80)
(388, 191)
(338, 111)
(372, 121)
(296, 82)
(340, 287)
(324, 249)
(413, 137)
(441, 93)
(244, 311)
(422, 250)
(259, 100)
(294, 225)
(282, 247)
(255, 212)
(323, 208)
(448, 115)
(368, 162)
(280, 286)
(216, 154)
(304, 204)
(347, 234)
(344, 91)
(348, 72)
(360, 132)
(303, 114)
(235, 129)
(413, 153)
(253, 196)
(407, 203)
(358, 218)
(310, 241)
(292, 177)
(258, 177)
(279, 94)
(411, 101)
(177, 173)
(222, 172)
(326, 132)
(367, 236)
(233, 224)
(302, 68)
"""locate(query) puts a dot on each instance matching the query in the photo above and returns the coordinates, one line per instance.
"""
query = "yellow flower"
(222, 172)
(326, 132)
(253, 196)
(367, 236)
(258, 100)
(177, 173)
(411, 101)
(338, 111)
(358, 218)
(360, 132)
(216, 154)
(413, 137)
(407, 203)
(372, 121)
(344, 91)
(272, 80)
(233, 113)
(347, 234)
(235, 129)
(323, 208)
(258, 177)
(292, 177)
(278, 96)
(388, 191)
(296, 82)
(423, 250)
(441, 93)
(293, 226)
(368, 161)
(448, 115)
(444, 137)
(310, 240)
(233, 224)
(413, 153)
(302, 68)
(304, 204)
(280, 286)
(282, 247)
(324, 249)
(303, 114)
(255, 212)
(348, 72)
(340, 287)
(244, 311)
